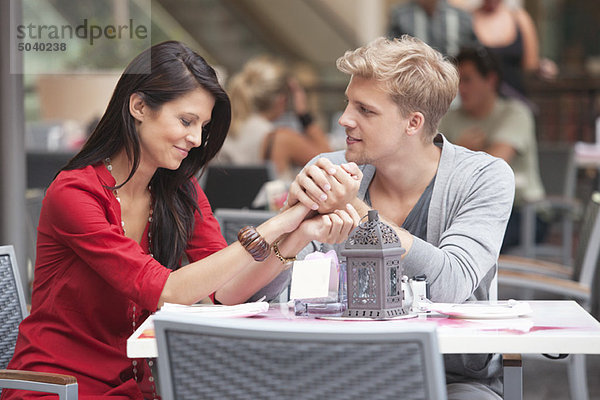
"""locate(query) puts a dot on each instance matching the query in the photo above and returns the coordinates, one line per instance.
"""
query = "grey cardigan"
(471, 201)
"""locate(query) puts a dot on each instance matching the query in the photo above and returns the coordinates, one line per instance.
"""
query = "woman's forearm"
(199, 279)
(258, 275)
(231, 272)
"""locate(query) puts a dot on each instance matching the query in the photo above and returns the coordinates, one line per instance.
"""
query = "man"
(448, 205)
(443, 27)
(502, 127)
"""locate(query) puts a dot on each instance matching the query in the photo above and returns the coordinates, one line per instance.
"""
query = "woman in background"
(117, 221)
(510, 35)
(259, 95)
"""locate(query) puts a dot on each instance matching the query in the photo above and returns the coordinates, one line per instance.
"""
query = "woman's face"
(169, 133)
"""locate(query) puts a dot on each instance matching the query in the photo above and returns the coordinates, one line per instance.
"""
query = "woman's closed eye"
(185, 122)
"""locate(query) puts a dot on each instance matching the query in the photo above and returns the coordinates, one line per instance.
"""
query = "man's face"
(474, 88)
(374, 127)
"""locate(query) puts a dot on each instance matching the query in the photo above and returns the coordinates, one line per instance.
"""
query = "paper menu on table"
(211, 310)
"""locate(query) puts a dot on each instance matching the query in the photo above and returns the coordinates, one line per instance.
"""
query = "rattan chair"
(558, 173)
(571, 281)
(12, 311)
(247, 358)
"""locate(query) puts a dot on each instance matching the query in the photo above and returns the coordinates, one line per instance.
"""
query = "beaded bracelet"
(287, 261)
(254, 244)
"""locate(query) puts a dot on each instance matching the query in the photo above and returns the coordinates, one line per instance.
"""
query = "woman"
(510, 35)
(259, 97)
(119, 218)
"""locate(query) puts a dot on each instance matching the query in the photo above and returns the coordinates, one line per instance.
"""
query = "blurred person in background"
(260, 94)
(509, 33)
(502, 127)
(437, 23)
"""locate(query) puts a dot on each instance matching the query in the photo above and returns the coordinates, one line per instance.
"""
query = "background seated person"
(259, 95)
(502, 127)
(437, 23)
(509, 33)
(448, 205)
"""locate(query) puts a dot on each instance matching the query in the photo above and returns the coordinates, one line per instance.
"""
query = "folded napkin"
(480, 310)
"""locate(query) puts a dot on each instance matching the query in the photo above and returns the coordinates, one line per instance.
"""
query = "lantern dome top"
(373, 234)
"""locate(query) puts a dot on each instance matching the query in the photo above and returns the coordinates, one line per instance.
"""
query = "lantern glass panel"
(366, 280)
(393, 283)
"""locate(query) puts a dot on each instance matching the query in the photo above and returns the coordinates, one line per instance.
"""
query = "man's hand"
(325, 187)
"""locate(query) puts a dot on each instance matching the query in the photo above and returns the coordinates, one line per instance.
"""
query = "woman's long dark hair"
(175, 70)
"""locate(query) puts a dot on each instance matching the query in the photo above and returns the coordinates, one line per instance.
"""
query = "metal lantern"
(374, 270)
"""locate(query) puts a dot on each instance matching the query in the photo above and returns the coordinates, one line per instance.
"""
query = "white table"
(554, 327)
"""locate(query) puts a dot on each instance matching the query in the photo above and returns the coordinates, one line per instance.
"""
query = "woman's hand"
(325, 186)
(290, 219)
(331, 228)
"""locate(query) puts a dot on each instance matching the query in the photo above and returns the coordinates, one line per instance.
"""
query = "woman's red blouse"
(88, 276)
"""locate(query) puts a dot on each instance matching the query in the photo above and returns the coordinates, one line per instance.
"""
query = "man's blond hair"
(417, 77)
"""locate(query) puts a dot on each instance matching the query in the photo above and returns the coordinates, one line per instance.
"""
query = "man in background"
(442, 26)
(502, 127)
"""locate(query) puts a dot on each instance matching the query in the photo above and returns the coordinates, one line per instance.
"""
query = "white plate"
(498, 310)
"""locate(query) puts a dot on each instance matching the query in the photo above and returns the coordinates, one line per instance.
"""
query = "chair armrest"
(524, 264)
(564, 287)
(562, 203)
(42, 377)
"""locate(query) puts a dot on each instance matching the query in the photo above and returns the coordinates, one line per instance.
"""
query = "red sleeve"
(80, 213)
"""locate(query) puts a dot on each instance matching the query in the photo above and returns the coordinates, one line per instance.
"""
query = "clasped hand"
(325, 187)
(319, 201)
(333, 227)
